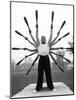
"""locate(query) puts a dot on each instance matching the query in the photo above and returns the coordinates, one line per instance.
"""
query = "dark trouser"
(44, 66)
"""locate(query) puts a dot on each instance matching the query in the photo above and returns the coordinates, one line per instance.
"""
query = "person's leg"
(40, 77)
(48, 75)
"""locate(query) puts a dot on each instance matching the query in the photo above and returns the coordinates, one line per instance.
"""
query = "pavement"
(28, 91)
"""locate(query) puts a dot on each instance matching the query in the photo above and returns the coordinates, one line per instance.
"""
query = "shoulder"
(47, 44)
(38, 44)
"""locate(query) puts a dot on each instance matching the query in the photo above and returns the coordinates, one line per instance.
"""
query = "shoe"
(54, 89)
(35, 91)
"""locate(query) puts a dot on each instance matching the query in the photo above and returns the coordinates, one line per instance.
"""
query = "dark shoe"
(35, 91)
(38, 89)
(51, 88)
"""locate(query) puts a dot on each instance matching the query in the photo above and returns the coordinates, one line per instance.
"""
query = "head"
(43, 39)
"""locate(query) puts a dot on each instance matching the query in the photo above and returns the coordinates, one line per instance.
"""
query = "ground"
(19, 81)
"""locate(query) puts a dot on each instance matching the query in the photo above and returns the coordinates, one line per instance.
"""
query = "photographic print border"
(11, 39)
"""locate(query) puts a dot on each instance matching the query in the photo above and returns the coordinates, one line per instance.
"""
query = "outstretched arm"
(37, 38)
(62, 48)
(31, 50)
(25, 38)
(31, 42)
(25, 19)
(58, 33)
(26, 57)
(60, 38)
(60, 56)
(33, 39)
(32, 64)
(50, 39)
(56, 62)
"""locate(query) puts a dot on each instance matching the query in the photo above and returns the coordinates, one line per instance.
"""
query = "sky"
(19, 10)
